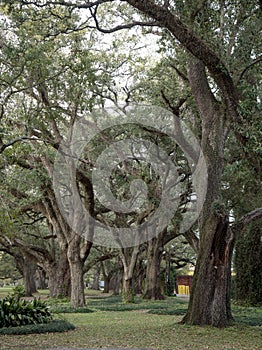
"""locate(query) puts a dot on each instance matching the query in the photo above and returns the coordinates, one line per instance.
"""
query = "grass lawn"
(4, 291)
(143, 324)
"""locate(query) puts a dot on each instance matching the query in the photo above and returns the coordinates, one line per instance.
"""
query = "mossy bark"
(210, 295)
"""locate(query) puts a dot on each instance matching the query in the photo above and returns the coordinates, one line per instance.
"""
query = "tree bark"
(210, 295)
(107, 271)
(41, 279)
(140, 274)
(29, 270)
(117, 279)
(96, 278)
(106, 284)
(128, 257)
(196, 46)
(128, 292)
(59, 277)
(76, 265)
(153, 278)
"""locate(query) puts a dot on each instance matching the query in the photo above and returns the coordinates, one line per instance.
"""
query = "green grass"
(4, 291)
(145, 324)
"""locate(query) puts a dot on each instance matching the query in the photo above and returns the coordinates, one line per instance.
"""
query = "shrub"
(17, 312)
(18, 291)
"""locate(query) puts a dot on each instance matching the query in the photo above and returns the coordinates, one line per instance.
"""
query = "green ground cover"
(106, 322)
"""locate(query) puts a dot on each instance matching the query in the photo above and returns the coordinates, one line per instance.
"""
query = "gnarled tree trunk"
(59, 277)
(76, 265)
(153, 278)
(210, 294)
(210, 299)
(29, 270)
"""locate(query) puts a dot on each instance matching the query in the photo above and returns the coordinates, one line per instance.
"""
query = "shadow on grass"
(250, 321)
(50, 327)
(171, 312)
(251, 316)
(71, 310)
(172, 306)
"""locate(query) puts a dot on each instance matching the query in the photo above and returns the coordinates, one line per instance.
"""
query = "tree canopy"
(62, 59)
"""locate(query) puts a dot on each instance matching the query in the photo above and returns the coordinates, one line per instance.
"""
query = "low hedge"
(51, 327)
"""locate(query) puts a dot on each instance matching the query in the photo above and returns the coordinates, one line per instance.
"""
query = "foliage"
(18, 292)
(8, 271)
(49, 79)
(52, 326)
(15, 311)
(248, 279)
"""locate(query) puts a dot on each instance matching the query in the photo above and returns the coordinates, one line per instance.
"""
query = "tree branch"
(198, 7)
(192, 239)
(14, 141)
(195, 45)
(99, 259)
(86, 5)
(35, 251)
(121, 26)
(245, 220)
(179, 73)
(255, 61)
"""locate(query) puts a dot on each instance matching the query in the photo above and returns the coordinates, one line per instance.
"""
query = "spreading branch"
(195, 45)
(16, 140)
(86, 5)
(255, 61)
(246, 219)
(121, 26)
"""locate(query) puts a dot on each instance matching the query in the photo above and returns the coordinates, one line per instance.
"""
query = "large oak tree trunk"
(153, 278)
(210, 299)
(213, 115)
(106, 284)
(76, 265)
(41, 279)
(59, 277)
(210, 295)
(139, 276)
(29, 270)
